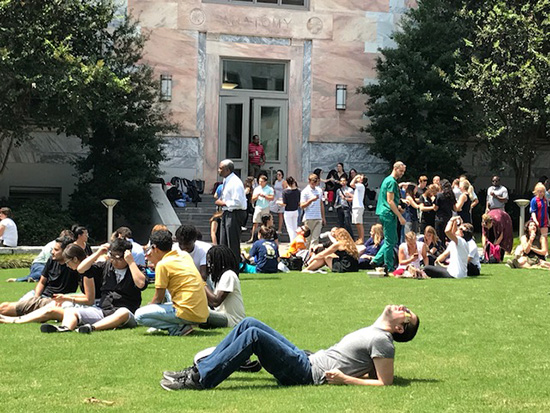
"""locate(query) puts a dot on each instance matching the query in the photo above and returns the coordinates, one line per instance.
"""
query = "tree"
(508, 72)
(415, 114)
(50, 65)
(126, 136)
(68, 68)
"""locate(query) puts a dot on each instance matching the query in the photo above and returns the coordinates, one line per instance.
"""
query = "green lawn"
(482, 346)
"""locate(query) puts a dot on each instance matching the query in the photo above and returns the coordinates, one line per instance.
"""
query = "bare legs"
(38, 316)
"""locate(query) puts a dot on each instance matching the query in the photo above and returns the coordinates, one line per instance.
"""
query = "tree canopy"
(415, 114)
(66, 67)
(508, 73)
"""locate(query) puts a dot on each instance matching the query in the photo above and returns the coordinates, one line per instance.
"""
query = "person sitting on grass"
(531, 252)
(121, 290)
(372, 246)
(73, 255)
(265, 251)
(225, 301)
(298, 244)
(176, 272)
(433, 243)
(474, 262)
(364, 357)
(57, 278)
(39, 262)
(457, 250)
(412, 254)
(187, 237)
(267, 221)
(341, 256)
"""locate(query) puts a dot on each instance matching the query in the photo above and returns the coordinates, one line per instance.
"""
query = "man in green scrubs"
(388, 213)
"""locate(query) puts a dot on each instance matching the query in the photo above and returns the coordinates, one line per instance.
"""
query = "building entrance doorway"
(253, 101)
(243, 117)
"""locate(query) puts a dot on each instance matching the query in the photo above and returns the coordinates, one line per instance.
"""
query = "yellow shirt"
(177, 273)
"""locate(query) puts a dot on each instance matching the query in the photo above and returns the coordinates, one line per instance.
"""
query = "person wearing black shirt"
(56, 278)
(123, 282)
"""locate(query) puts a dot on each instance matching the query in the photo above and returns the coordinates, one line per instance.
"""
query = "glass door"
(270, 123)
(234, 131)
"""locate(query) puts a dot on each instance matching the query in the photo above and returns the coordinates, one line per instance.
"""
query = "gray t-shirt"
(353, 354)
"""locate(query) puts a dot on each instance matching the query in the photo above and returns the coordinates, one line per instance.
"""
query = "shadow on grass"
(404, 382)
(196, 333)
(259, 278)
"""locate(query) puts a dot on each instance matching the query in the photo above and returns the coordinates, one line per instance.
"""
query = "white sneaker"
(320, 271)
(156, 331)
(308, 271)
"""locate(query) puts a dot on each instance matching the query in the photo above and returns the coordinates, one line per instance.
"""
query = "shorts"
(34, 303)
(258, 214)
(357, 215)
(91, 315)
(276, 208)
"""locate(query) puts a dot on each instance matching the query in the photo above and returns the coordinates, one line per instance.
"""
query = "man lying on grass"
(364, 357)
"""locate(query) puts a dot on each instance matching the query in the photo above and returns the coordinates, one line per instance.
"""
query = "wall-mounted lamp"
(166, 88)
(341, 94)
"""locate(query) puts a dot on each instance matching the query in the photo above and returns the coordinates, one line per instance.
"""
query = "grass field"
(482, 346)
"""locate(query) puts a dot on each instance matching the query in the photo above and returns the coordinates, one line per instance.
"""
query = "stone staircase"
(199, 216)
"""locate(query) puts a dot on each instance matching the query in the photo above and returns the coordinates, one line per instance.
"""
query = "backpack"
(173, 193)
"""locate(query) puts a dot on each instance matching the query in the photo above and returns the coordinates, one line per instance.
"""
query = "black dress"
(344, 262)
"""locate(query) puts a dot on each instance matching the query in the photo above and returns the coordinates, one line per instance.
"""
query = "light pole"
(109, 203)
(521, 203)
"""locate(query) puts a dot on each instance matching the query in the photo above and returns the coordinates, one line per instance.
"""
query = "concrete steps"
(200, 215)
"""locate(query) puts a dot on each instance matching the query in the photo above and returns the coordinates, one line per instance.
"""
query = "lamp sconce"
(166, 88)
(341, 95)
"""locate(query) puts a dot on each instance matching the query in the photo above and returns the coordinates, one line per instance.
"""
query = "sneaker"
(330, 209)
(177, 375)
(320, 271)
(152, 331)
(243, 228)
(251, 366)
(185, 330)
(85, 329)
(307, 271)
(191, 381)
(52, 328)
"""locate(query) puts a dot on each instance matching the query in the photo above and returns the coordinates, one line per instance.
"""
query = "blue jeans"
(35, 272)
(161, 316)
(278, 356)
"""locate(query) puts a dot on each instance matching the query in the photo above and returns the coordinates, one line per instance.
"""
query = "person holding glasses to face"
(123, 282)
(311, 201)
(364, 357)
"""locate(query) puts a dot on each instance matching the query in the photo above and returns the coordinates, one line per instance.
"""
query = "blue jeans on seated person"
(161, 316)
(35, 272)
(278, 356)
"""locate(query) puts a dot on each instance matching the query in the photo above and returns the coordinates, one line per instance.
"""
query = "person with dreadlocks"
(225, 301)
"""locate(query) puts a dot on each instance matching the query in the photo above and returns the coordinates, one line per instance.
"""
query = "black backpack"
(173, 194)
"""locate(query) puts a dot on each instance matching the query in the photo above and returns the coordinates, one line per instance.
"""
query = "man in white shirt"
(186, 235)
(233, 203)
(497, 195)
(458, 251)
(474, 263)
(8, 229)
(314, 211)
(357, 207)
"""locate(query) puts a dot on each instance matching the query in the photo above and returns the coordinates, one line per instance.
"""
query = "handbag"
(293, 262)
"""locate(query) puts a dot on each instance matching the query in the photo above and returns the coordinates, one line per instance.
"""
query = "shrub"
(39, 220)
(16, 260)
